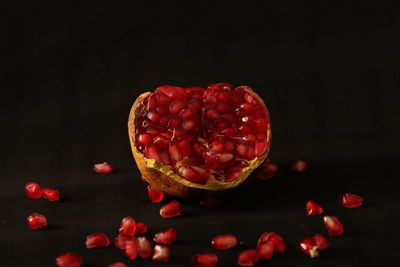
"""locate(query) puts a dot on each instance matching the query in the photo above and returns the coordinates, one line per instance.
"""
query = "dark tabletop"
(329, 74)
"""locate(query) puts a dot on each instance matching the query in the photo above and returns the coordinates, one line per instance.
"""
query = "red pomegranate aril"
(140, 228)
(177, 106)
(321, 241)
(152, 153)
(212, 114)
(162, 110)
(144, 247)
(276, 240)
(163, 99)
(224, 242)
(103, 168)
(33, 190)
(36, 221)
(97, 240)
(51, 194)
(172, 123)
(151, 102)
(333, 225)
(155, 196)
(186, 113)
(145, 139)
(189, 125)
(69, 260)
(350, 201)
(166, 237)
(265, 250)
(205, 260)
(161, 253)
(211, 202)
(267, 171)
(308, 246)
(131, 248)
(299, 166)
(127, 227)
(117, 264)
(313, 208)
(153, 116)
(248, 257)
(120, 242)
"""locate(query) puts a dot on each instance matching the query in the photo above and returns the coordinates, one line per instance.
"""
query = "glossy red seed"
(321, 241)
(127, 227)
(33, 190)
(161, 253)
(224, 242)
(97, 240)
(350, 201)
(117, 264)
(36, 221)
(265, 250)
(299, 166)
(267, 171)
(154, 195)
(248, 257)
(51, 194)
(144, 247)
(308, 246)
(313, 208)
(145, 139)
(69, 260)
(140, 228)
(276, 240)
(103, 168)
(172, 209)
(120, 242)
(153, 116)
(333, 225)
(166, 237)
(211, 202)
(131, 248)
(205, 260)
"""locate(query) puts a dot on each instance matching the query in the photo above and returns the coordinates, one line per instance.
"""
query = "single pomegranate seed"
(103, 168)
(155, 196)
(51, 194)
(276, 240)
(36, 220)
(350, 200)
(69, 260)
(131, 248)
(224, 242)
(140, 228)
(166, 237)
(33, 190)
(205, 260)
(120, 242)
(97, 240)
(117, 264)
(307, 245)
(248, 257)
(265, 250)
(161, 253)
(127, 227)
(321, 241)
(299, 166)
(145, 139)
(144, 247)
(153, 116)
(313, 208)
(333, 225)
(211, 202)
(267, 171)
(172, 209)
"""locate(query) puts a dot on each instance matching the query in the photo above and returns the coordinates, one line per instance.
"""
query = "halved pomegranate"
(191, 141)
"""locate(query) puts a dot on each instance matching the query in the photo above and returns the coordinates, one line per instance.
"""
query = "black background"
(329, 73)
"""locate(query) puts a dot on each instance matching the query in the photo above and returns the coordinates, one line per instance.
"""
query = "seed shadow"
(50, 227)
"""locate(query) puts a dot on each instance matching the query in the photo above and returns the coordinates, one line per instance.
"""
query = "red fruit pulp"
(321, 241)
(103, 168)
(308, 246)
(202, 133)
(276, 240)
(117, 264)
(140, 228)
(161, 253)
(33, 190)
(265, 250)
(127, 227)
(267, 171)
(172, 209)
(166, 237)
(350, 201)
(313, 208)
(248, 257)
(144, 247)
(69, 260)
(51, 194)
(154, 195)
(97, 240)
(120, 242)
(131, 248)
(333, 225)
(205, 260)
(224, 242)
(36, 221)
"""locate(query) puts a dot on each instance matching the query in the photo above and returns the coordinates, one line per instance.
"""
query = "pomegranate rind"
(164, 179)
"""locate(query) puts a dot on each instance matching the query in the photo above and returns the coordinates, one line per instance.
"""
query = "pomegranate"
(69, 260)
(103, 168)
(350, 200)
(144, 247)
(120, 242)
(154, 195)
(248, 257)
(172, 209)
(131, 248)
(127, 227)
(140, 228)
(166, 237)
(333, 225)
(51, 194)
(97, 240)
(313, 208)
(161, 253)
(33, 190)
(265, 250)
(192, 141)
(205, 260)
(36, 221)
(224, 242)
(311, 246)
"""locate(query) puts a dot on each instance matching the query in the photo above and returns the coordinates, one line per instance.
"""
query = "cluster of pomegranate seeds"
(299, 166)
(155, 196)
(313, 208)
(120, 242)
(103, 168)
(117, 264)
(276, 241)
(97, 240)
(205, 260)
(161, 253)
(36, 221)
(267, 171)
(195, 130)
(34, 191)
(166, 237)
(69, 260)
(311, 245)
(248, 257)
(350, 201)
(140, 228)
(172, 209)
(211, 202)
(127, 227)
(224, 242)
(333, 225)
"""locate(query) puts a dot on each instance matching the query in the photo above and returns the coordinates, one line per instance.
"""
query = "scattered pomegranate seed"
(140, 228)
(144, 247)
(155, 196)
(205, 260)
(333, 225)
(224, 242)
(103, 168)
(299, 166)
(69, 260)
(276, 240)
(265, 250)
(33, 190)
(127, 227)
(97, 240)
(36, 220)
(350, 200)
(211, 202)
(131, 248)
(172, 209)
(166, 237)
(161, 253)
(248, 257)
(267, 171)
(313, 208)
(120, 242)
(321, 241)
(117, 264)
(307, 245)
(51, 194)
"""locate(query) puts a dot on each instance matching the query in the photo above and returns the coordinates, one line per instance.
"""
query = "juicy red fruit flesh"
(350, 201)
(36, 221)
(33, 190)
(103, 168)
(131, 248)
(205, 260)
(333, 226)
(154, 195)
(161, 253)
(166, 237)
(196, 131)
(69, 260)
(224, 242)
(276, 241)
(97, 240)
(144, 247)
(127, 227)
(51, 194)
(313, 208)
(172, 209)
(248, 257)
(265, 250)
(311, 245)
